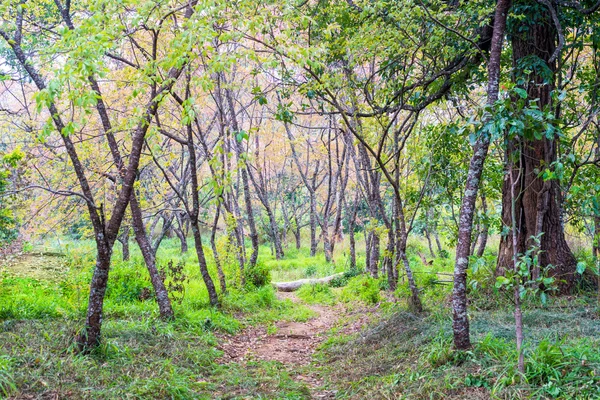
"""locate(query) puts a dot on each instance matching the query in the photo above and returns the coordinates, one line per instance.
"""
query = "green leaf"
(581, 267)
(501, 281)
(521, 92)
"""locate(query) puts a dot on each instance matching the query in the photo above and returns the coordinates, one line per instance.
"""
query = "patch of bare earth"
(293, 343)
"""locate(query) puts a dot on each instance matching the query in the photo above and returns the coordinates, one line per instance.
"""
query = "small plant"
(341, 281)
(7, 386)
(258, 276)
(319, 293)
(310, 271)
(175, 280)
(364, 288)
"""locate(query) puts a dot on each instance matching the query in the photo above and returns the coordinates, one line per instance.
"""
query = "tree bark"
(460, 323)
(538, 203)
(124, 240)
(239, 150)
(485, 228)
(213, 245)
(162, 296)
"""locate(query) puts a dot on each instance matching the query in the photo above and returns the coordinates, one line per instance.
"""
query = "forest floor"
(293, 344)
(353, 341)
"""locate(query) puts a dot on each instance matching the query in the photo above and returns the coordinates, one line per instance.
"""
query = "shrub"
(362, 288)
(340, 281)
(257, 276)
(310, 271)
(317, 294)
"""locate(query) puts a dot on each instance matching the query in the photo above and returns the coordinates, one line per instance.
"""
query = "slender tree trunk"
(415, 302)
(389, 260)
(239, 150)
(428, 237)
(475, 239)
(275, 234)
(162, 296)
(297, 237)
(141, 237)
(374, 255)
(460, 324)
(213, 245)
(212, 292)
(483, 237)
(596, 248)
(436, 236)
(124, 240)
(182, 240)
(351, 215)
(313, 225)
(195, 212)
(517, 285)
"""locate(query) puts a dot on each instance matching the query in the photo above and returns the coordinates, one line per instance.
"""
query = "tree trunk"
(275, 234)
(90, 336)
(374, 255)
(124, 240)
(313, 225)
(182, 240)
(436, 236)
(239, 150)
(538, 203)
(389, 260)
(162, 296)
(485, 228)
(351, 216)
(210, 286)
(428, 237)
(460, 322)
(297, 237)
(213, 246)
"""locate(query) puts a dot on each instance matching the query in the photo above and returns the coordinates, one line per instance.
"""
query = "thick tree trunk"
(90, 336)
(460, 322)
(374, 255)
(538, 203)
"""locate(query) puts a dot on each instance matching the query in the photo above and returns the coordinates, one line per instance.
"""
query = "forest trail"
(292, 344)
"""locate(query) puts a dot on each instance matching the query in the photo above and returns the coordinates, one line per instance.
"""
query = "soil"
(293, 343)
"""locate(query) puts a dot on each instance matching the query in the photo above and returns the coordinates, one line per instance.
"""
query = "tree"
(460, 322)
(539, 198)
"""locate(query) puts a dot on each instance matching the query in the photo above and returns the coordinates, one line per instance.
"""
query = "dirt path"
(293, 344)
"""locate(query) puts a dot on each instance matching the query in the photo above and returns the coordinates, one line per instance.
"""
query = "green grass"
(410, 356)
(401, 356)
(141, 356)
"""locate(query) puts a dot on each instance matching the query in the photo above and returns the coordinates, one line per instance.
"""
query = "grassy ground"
(43, 300)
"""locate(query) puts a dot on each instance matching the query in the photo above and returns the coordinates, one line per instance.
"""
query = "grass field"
(376, 349)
